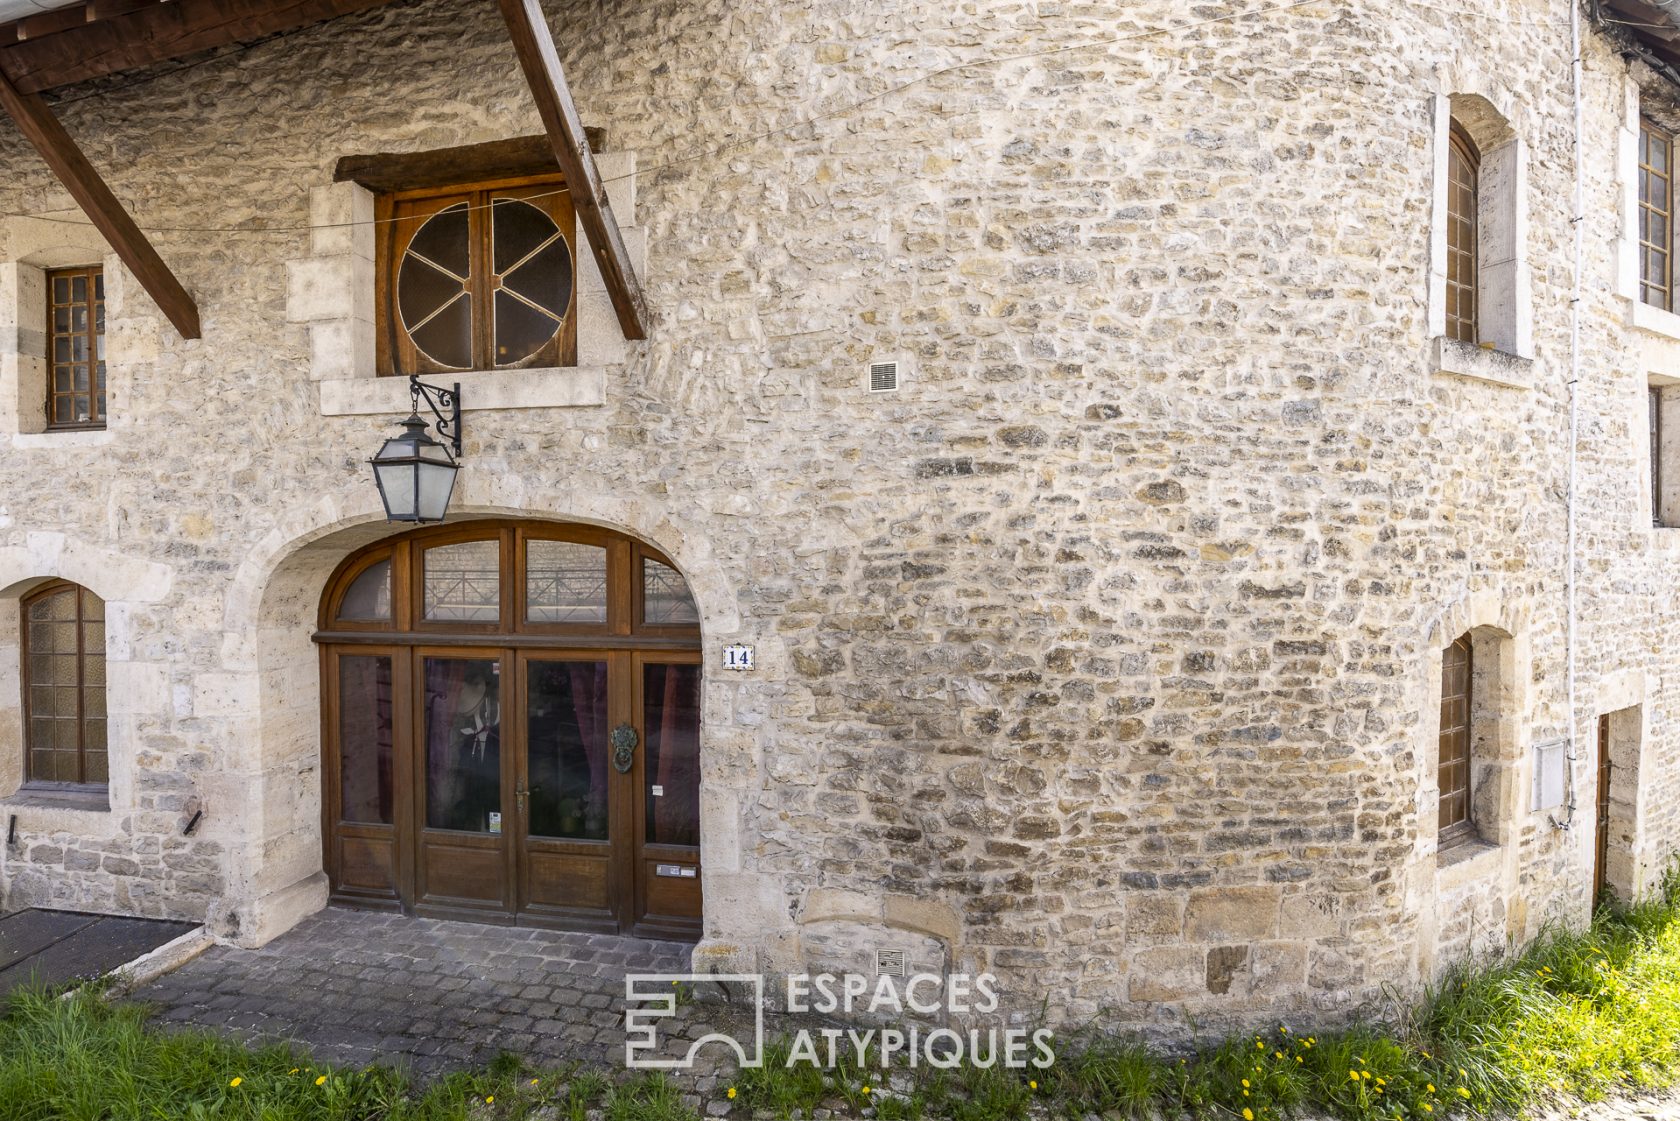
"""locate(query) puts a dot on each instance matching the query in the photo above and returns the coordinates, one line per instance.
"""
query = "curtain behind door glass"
(566, 714)
(671, 699)
(463, 716)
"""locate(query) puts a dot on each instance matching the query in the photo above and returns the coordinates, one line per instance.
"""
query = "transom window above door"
(502, 577)
(481, 277)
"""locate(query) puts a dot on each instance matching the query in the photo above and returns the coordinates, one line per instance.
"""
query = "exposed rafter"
(100, 37)
(60, 152)
(534, 45)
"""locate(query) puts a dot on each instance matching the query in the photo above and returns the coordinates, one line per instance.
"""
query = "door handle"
(519, 794)
(624, 740)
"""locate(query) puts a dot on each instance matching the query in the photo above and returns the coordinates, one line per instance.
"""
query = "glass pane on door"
(671, 715)
(462, 723)
(569, 769)
(463, 582)
(365, 738)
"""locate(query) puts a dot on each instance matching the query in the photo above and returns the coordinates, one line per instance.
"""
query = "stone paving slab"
(357, 987)
(53, 947)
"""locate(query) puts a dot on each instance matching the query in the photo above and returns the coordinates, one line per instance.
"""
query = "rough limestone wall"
(1107, 636)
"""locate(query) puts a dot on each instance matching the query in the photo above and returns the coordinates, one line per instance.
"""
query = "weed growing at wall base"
(1588, 1013)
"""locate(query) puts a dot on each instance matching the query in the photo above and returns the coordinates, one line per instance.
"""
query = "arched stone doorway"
(511, 729)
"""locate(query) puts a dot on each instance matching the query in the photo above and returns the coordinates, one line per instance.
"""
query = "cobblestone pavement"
(358, 987)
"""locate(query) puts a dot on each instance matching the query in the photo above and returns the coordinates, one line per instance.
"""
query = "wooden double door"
(499, 778)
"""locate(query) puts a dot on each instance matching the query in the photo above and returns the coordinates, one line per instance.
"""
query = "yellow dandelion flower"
(1353, 1074)
(490, 1099)
(236, 1082)
(1365, 1074)
(1259, 1045)
(321, 1080)
(294, 1070)
(1248, 1115)
(1297, 1058)
(1245, 1093)
(1429, 1086)
(1463, 1093)
(1284, 1030)
(1380, 1082)
(1461, 1073)
(1245, 1083)
(1427, 1108)
(533, 1081)
(866, 1089)
(732, 1093)
(1031, 1085)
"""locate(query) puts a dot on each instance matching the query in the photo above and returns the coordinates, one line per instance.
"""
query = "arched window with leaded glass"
(63, 675)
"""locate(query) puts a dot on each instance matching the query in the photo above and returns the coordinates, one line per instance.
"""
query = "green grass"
(1587, 1013)
(83, 1059)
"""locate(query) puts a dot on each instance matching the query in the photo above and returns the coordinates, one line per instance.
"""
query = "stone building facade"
(1104, 653)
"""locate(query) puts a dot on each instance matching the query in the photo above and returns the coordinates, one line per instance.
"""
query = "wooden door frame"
(527, 912)
(624, 642)
(457, 907)
(641, 853)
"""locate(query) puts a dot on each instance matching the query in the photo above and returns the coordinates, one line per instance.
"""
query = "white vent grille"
(883, 377)
(889, 963)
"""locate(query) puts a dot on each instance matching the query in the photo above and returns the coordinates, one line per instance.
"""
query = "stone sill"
(1643, 317)
(1480, 363)
(556, 387)
(69, 438)
(54, 798)
(1467, 861)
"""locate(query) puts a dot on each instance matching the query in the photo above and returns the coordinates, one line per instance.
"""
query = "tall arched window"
(1463, 169)
(64, 685)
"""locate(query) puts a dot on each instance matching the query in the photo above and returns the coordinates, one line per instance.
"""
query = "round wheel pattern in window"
(432, 288)
(533, 279)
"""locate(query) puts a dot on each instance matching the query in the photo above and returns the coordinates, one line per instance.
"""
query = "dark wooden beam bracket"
(534, 45)
(66, 160)
(447, 167)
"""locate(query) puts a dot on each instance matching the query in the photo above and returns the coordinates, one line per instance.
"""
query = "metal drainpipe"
(1578, 221)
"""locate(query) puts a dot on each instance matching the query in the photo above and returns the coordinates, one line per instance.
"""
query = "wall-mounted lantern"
(415, 473)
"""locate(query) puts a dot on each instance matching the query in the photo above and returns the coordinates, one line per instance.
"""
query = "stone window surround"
(1505, 302)
(1654, 321)
(331, 291)
(35, 244)
(1636, 861)
(1501, 762)
(136, 693)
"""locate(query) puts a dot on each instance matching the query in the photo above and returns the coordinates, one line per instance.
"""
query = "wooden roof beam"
(534, 45)
(44, 131)
(110, 36)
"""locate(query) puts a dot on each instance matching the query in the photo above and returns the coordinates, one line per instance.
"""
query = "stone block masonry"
(1104, 654)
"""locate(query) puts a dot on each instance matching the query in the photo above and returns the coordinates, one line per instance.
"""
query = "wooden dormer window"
(76, 348)
(478, 277)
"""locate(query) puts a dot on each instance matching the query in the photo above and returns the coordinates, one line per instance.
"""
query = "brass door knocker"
(624, 748)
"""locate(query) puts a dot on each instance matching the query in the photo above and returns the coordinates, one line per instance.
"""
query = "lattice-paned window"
(478, 278)
(666, 600)
(76, 348)
(1462, 250)
(1656, 216)
(1454, 766)
(64, 685)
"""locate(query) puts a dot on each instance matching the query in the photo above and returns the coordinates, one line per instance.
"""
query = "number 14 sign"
(738, 656)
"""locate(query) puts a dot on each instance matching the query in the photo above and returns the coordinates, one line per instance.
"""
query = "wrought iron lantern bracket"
(445, 405)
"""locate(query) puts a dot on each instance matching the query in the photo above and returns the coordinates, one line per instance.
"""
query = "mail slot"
(681, 871)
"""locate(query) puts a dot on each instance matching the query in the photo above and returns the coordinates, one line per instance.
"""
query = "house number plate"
(680, 871)
(738, 656)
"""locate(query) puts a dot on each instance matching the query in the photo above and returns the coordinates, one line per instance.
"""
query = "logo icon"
(652, 997)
